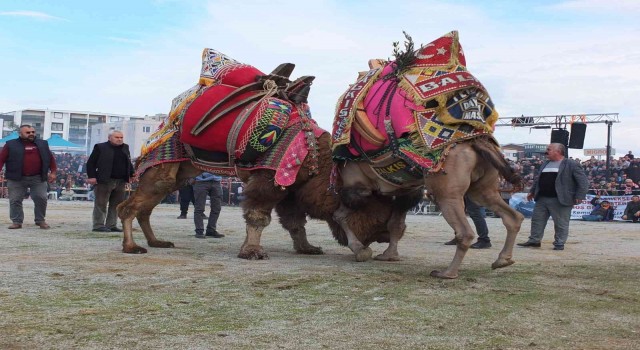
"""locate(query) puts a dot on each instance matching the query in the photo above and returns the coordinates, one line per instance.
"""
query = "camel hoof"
(134, 250)
(382, 257)
(440, 274)
(502, 263)
(161, 244)
(253, 253)
(310, 250)
(364, 254)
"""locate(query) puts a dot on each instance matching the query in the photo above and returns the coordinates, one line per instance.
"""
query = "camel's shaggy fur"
(308, 196)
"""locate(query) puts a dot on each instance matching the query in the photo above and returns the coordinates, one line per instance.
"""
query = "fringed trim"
(164, 138)
(446, 118)
(439, 166)
(345, 137)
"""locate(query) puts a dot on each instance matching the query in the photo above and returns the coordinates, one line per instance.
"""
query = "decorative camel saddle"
(402, 116)
(237, 117)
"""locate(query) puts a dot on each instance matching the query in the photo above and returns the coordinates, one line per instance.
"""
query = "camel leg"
(396, 226)
(293, 220)
(126, 213)
(256, 221)
(511, 220)
(453, 212)
(261, 196)
(154, 185)
(362, 252)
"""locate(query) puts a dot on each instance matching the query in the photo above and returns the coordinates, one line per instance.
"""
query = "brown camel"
(308, 196)
(421, 120)
(230, 98)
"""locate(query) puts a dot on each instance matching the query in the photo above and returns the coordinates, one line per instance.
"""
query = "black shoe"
(115, 229)
(481, 245)
(214, 234)
(200, 236)
(101, 229)
(182, 216)
(558, 247)
(454, 241)
(530, 244)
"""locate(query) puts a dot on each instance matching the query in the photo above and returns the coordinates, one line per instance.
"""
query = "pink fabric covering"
(401, 109)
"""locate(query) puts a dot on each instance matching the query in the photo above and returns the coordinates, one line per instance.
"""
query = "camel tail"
(490, 152)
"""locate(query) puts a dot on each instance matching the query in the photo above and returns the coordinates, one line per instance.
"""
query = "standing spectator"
(559, 185)
(207, 184)
(28, 161)
(632, 212)
(629, 155)
(186, 196)
(633, 171)
(109, 169)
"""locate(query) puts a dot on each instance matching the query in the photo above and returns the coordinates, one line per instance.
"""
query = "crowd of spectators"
(624, 176)
(623, 180)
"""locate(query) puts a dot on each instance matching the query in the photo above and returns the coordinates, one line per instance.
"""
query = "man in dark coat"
(559, 185)
(28, 161)
(109, 168)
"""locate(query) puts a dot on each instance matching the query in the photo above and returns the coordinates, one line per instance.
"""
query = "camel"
(244, 89)
(421, 120)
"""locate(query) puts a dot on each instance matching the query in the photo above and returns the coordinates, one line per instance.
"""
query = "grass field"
(71, 288)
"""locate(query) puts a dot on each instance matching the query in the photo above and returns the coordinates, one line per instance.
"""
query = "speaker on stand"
(578, 131)
(560, 136)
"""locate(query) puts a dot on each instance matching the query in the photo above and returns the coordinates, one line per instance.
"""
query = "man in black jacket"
(109, 168)
(28, 161)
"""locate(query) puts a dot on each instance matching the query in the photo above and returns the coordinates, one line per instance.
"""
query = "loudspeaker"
(577, 135)
(560, 136)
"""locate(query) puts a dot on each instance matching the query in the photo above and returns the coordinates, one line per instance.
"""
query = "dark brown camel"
(308, 196)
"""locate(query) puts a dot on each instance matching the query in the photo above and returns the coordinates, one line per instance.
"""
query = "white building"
(136, 133)
(83, 128)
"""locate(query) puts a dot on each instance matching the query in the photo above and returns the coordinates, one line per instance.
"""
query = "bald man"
(559, 185)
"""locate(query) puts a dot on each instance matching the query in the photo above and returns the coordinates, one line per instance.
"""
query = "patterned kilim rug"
(270, 133)
(433, 101)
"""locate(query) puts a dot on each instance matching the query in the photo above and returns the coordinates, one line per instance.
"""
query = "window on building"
(114, 119)
(57, 126)
(57, 115)
(146, 129)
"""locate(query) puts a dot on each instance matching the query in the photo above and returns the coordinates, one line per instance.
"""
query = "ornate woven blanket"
(429, 99)
(252, 127)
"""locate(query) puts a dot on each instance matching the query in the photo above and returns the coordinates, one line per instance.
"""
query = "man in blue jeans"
(207, 184)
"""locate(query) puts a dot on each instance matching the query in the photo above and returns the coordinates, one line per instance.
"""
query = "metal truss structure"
(561, 121)
(557, 121)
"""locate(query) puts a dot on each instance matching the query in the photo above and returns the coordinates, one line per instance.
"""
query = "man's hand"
(92, 181)
(51, 178)
(530, 197)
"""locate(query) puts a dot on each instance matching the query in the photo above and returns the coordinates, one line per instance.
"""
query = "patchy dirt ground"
(68, 287)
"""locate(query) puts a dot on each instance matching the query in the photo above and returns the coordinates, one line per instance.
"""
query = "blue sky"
(133, 57)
